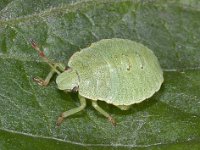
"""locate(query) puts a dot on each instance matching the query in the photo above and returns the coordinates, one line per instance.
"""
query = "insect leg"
(44, 82)
(52, 64)
(103, 112)
(56, 67)
(72, 111)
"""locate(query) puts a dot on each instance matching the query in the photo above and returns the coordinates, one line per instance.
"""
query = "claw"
(33, 44)
(40, 81)
(60, 120)
(112, 120)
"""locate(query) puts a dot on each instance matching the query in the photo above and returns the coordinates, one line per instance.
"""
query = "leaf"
(168, 120)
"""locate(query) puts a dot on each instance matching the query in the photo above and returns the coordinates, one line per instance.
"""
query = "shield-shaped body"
(117, 71)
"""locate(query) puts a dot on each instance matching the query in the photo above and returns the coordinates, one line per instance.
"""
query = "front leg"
(44, 82)
(55, 67)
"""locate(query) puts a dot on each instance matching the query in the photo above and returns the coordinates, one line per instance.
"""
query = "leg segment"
(56, 67)
(103, 112)
(42, 82)
(72, 111)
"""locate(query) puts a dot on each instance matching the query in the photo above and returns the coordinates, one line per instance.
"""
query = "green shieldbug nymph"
(118, 71)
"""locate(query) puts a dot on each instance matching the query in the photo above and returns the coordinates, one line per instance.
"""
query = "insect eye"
(75, 89)
(68, 69)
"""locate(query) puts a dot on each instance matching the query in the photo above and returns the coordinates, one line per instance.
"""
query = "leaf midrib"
(94, 145)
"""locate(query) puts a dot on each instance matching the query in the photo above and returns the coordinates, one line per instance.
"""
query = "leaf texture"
(168, 120)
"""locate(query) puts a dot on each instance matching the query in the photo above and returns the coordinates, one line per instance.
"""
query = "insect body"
(118, 71)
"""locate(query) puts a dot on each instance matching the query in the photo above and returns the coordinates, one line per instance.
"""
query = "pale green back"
(117, 71)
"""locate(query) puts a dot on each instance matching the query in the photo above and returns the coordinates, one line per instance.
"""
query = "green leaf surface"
(28, 112)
